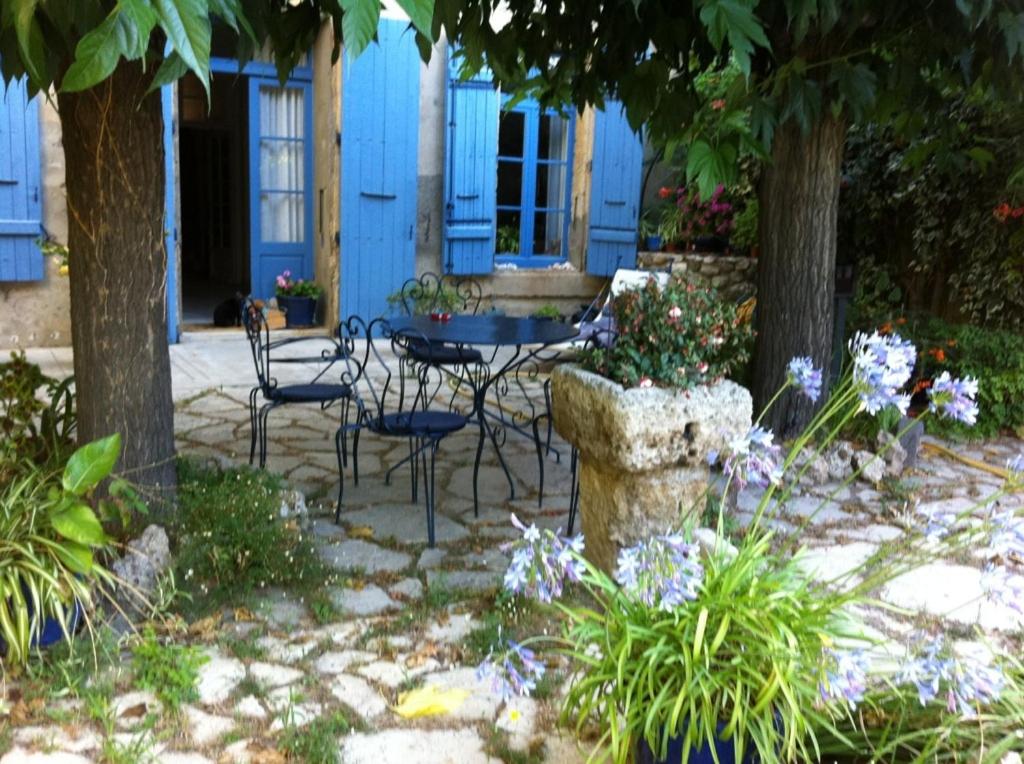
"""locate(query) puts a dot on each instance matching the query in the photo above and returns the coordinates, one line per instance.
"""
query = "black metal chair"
(383, 410)
(431, 293)
(274, 395)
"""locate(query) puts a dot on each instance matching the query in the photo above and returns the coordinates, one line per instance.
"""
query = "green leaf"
(709, 166)
(78, 558)
(90, 464)
(734, 20)
(143, 18)
(187, 26)
(857, 86)
(171, 70)
(981, 156)
(359, 24)
(98, 52)
(30, 36)
(1012, 26)
(420, 12)
(78, 523)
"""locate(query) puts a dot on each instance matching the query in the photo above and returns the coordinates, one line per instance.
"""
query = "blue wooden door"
(379, 131)
(20, 194)
(281, 182)
(471, 173)
(614, 192)
(170, 214)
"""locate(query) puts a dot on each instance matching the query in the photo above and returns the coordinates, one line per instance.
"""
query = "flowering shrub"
(709, 641)
(713, 217)
(286, 286)
(677, 336)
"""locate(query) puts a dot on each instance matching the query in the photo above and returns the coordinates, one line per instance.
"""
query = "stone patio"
(388, 638)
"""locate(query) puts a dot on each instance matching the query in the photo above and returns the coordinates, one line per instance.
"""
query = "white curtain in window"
(558, 140)
(282, 169)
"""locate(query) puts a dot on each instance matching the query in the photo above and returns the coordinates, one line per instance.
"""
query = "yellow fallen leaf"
(205, 627)
(360, 532)
(429, 701)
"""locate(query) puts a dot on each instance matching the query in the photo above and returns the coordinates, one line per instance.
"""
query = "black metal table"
(526, 338)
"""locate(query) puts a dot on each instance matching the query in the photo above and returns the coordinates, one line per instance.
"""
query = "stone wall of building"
(734, 277)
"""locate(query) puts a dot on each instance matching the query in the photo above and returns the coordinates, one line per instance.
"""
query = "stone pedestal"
(643, 452)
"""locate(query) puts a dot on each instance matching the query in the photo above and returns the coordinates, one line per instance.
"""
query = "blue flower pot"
(725, 750)
(653, 243)
(298, 311)
(51, 633)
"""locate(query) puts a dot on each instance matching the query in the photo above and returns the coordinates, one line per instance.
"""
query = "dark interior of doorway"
(214, 182)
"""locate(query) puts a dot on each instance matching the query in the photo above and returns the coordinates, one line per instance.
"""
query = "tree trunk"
(799, 201)
(113, 147)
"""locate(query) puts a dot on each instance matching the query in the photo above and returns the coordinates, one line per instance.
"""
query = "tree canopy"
(799, 60)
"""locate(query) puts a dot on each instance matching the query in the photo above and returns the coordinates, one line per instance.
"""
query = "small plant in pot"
(650, 237)
(297, 298)
(51, 546)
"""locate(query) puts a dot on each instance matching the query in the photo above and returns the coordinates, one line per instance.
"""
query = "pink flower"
(281, 282)
(675, 313)
(645, 382)
(702, 367)
(287, 274)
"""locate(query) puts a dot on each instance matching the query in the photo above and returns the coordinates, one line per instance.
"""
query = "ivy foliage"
(922, 216)
(800, 60)
(75, 45)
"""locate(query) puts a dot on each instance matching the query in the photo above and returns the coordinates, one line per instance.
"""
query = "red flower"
(664, 192)
(718, 104)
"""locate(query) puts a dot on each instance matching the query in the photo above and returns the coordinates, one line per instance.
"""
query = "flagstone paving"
(408, 613)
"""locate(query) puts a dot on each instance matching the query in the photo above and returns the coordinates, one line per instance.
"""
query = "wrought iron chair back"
(372, 353)
(257, 330)
(433, 293)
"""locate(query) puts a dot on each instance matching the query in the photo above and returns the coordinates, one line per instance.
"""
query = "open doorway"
(214, 178)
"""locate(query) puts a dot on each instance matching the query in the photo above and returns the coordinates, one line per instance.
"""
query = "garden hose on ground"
(975, 463)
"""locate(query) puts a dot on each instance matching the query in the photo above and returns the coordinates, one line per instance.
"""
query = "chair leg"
(414, 465)
(574, 490)
(339, 438)
(540, 460)
(264, 413)
(355, 457)
(430, 491)
(344, 433)
(253, 426)
(476, 467)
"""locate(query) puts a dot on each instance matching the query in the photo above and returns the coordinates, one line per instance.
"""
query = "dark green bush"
(995, 358)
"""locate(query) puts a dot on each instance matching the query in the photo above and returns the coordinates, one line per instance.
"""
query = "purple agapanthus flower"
(542, 561)
(515, 670)
(969, 681)
(754, 459)
(882, 365)
(662, 572)
(1015, 469)
(1007, 540)
(803, 375)
(1003, 586)
(955, 398)
(925, 669)
(844, 676)
(973, 682)
(940, 522)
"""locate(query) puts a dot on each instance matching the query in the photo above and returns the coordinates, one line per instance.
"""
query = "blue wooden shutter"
(614, 192)
(471, 174)
(20, 195)
(379, 178)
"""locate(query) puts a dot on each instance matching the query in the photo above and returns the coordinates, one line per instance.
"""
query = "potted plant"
(670, 227)
(547, 312)
(50, 542)
(645, 412)
(705, 224)
(649, 236)
(693, 649)
(297, 298)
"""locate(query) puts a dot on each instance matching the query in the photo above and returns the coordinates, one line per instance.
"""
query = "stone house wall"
(734, 277)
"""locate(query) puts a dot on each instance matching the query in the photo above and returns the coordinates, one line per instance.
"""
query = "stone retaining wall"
(735, 277)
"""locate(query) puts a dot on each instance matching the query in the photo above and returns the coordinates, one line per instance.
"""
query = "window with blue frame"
(535, 149)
